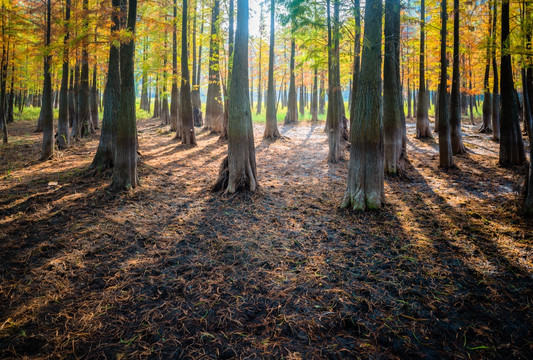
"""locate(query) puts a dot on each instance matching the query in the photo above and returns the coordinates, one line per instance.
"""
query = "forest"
(266, 179)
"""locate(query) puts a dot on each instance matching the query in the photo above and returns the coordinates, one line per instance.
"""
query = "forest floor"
(170, 270)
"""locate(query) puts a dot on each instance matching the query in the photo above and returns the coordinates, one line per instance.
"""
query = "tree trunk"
(422, 120)
(195, 92)
(144, 88)
(47, 108)
(187, 122)
(259, 66)
(238, 170)
(3, 76)
(393, 129)
(271, 124)
(105, 154)
(174, 95)
(214, 110)
(455, 99)
(365, 171)
(83, 95)
(224, 132)
(409, 109)
(322, 95)
(529, 181)
(63, 137)
(165, 113)
(445, 144)
(314, 97)
(292, 106)
(94, 99)
(495, 90)
(71, 102)
(356, 59)
(511, 143)
(125, 169)
(335, 102)
(487, 97)
(157, 106)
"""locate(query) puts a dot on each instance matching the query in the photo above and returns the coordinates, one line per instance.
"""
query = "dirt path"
(171, 270)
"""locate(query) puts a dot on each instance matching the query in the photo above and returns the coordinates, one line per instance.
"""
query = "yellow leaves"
(5, 4)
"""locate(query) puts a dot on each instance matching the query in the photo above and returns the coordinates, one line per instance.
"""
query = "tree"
(335, 102)
(214, 111)
(84, 115)
(487, 97)
(445, 144)
(271, 124)
(63, 137)
(495, 89)
(455, 99)
(356, 58)
(125, 167)
(48, 116)
(261, 34)
(187, 122)
(393, 118)
(174, 95)
(238, 170)
(511, 143)
(292, 105)
(105, 154)
(422, 120)
(365, 170)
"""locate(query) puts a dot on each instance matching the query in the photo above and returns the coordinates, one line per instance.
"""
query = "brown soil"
(170, 270)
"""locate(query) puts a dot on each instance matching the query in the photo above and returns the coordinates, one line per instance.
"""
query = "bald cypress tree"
(125, 167)
(455, 98)
(393, 118)
(47, 109)
(62, 120)
(214, 110)
(511, 143)
(271, 125)
(238, 170)
(365, 170)
(187, 121)
(445, 145)
(422, 120)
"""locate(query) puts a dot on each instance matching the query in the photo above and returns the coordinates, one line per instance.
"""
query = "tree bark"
(63, 137)
(322, 95)
(495, 88)
(125, 169)
(3, 79)
(271, 124)
(187, 122)
(356, 59)
(511, 143)
(335, 102)
(393, 129)
(487, 97)
(455, 99)
(48, 115)
(174, 95)
(314, 96)
(238, 170)
(292, 106)
(445, 144)
(105, 154)
(365, 171)
(83, 95)
(422, 120)
(214, 112)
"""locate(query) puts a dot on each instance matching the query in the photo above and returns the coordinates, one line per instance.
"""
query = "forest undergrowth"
(170, 270)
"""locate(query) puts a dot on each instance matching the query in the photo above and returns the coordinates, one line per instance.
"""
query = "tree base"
(244, 182)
